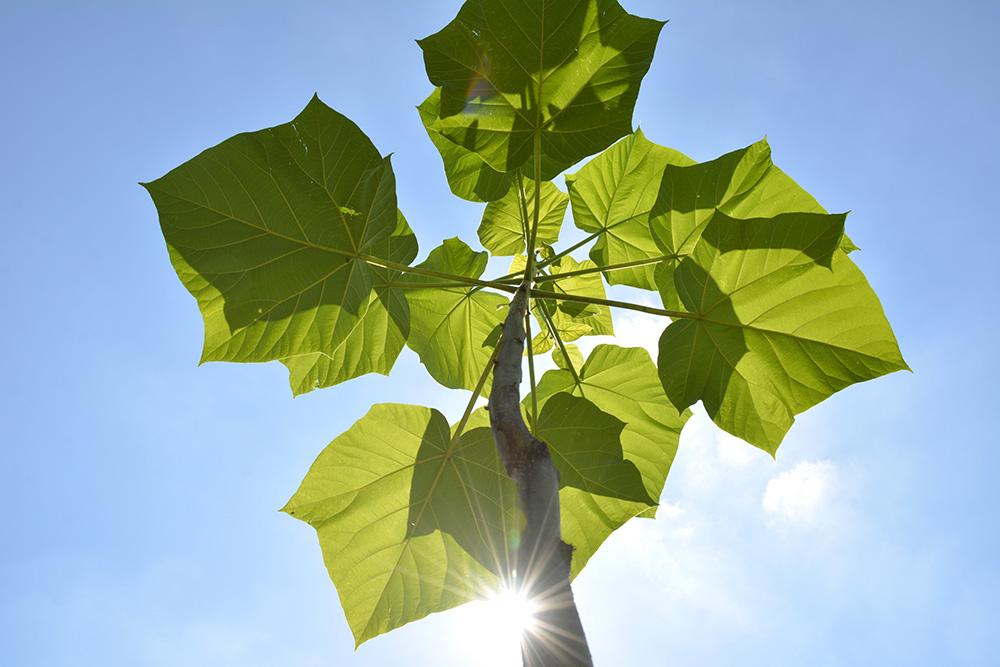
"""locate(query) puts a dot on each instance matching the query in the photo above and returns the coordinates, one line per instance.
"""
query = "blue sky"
(140, 492)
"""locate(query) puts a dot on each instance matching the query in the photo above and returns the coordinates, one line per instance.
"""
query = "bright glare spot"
(490, 630)
(511, 611)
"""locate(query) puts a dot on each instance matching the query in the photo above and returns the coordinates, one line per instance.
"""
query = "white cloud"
(799, 495)
(736, 452)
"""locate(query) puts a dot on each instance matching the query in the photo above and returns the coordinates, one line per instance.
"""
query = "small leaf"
(783, 319)
(567, 70)
(574, 319)
(450, 328)
(268, 231)
(575, 360)
(469, 177)
(501, 231)
(411, 520)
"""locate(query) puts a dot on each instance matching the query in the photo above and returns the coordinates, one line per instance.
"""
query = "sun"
(490, 629)
(510, 610)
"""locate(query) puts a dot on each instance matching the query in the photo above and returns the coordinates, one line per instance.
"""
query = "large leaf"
(782, 320)
(623, 383)
(414, 518)
(613, 196)
(268, 230)
(564, 71)
(501, 231)
(744, 183)
(410, 519)
(642, 201)
(469, 177)
(586, 450)
(451, 328)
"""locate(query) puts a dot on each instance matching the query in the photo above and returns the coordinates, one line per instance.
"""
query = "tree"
(291, 241)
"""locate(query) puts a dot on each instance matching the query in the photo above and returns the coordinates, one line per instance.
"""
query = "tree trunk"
(542, 560)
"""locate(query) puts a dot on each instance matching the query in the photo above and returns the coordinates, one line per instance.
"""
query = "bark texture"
(542, 560)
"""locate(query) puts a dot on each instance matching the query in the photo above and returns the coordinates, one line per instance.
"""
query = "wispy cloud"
(798, 496)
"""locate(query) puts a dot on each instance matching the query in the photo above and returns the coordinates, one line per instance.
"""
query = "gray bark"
(542, 560)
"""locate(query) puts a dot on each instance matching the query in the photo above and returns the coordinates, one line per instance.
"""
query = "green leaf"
(586, 449)
(567, 71)
(744, 183)
(575, 360)
(269, 231)
(450, 328)
(410, 519)
(613, 196)
(502, 232)
(573, 319)
(623, 383)
(468, 176)
(642, 201)
(783, 319)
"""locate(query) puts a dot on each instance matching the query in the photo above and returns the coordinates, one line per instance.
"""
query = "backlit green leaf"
(267, 229)
(783, 320)
(572, 319)
(613, 196)
(623, 383)
(567, 69)
(574, 360)
(743, 183)
(502, 232)
(410, 520)
(450, 328)
(468, 176)
(585, 445)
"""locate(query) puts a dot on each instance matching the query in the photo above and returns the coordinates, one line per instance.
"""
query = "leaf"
(574, 361)
(744, 183)
(410, 520)
(613, 196)
(573, 319)
(269, 230)
(782, 320)
(587, 450)
(567, 71)
(468, 176)
(642, 201)
(501, 231)
(450, 328)
(623, 383)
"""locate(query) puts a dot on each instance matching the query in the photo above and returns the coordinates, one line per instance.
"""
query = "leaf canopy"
(566, 72)
(291, 240)
(268, 230)
(783, 319)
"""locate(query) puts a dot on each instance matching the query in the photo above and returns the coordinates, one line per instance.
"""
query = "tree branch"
(600, 269)
(465, 280)
(555, 296)
(542, 561)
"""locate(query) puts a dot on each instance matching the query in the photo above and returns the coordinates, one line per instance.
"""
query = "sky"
(140, 491)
